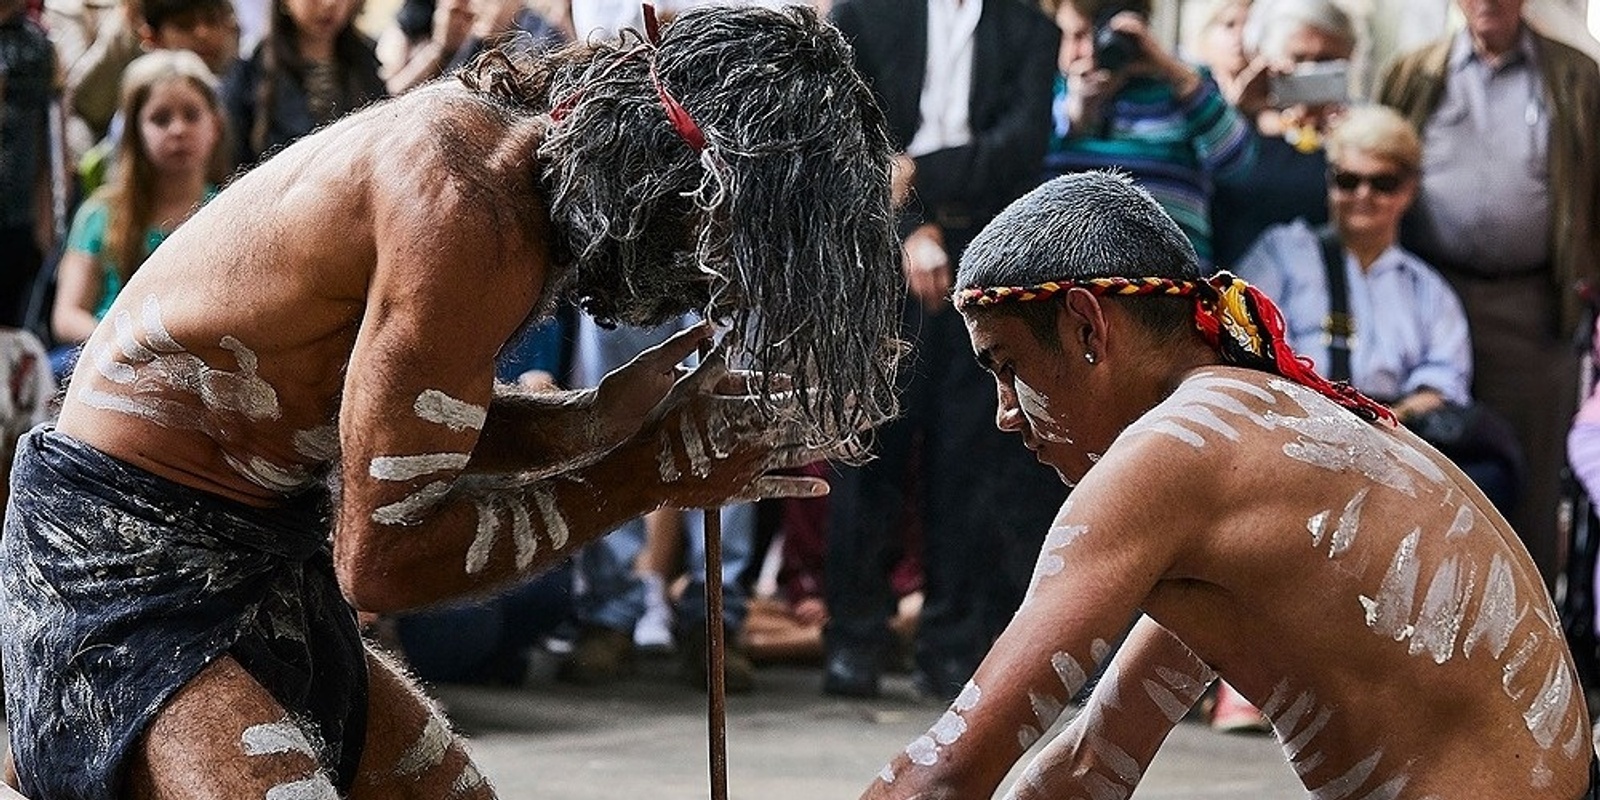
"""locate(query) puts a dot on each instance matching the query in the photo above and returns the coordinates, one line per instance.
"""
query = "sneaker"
(653, 632)
(1234, 714)
(738, 671)
(599, 655)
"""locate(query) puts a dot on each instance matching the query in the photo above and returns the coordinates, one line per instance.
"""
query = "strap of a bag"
(1339, 328)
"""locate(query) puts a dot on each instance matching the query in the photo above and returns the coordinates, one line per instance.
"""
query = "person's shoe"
(738, 671)
(851, 671)
(600, 655)
(653, 633)
(1234, 714)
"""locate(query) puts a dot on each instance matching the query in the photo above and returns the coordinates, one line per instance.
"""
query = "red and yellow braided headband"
(1223, 304)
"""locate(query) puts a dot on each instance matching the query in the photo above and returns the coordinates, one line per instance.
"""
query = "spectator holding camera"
(1286, 181)
(1123, 101)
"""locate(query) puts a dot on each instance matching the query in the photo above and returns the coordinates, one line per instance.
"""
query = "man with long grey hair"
(1251, 521)
(177, 578)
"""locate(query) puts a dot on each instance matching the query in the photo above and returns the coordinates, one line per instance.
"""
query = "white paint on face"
(1046, 709)
(522, 536)
(483, 541)
(318, 444)
(1462, 524)
(439, 408)
(1353, 779)
(1036, 408)
(923, 751)
(1498, 614)
(271, 738)
(555, 525)
(1315, 525)
(1444, 608)
(1349, 523)
(432, 743)
(405, 468)
(666, 462)
(1070, 672)
(316, 787)
(1390, 613)
(1548, 712)
(409, 510)
(699, 462)
(886, 774)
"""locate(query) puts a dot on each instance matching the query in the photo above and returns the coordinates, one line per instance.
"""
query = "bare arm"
(1107, 548)
(77, 293)
(1152, 682)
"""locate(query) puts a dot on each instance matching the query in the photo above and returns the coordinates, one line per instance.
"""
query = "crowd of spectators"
(1428, 254)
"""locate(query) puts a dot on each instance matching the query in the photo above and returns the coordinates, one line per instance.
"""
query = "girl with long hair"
(170, 160)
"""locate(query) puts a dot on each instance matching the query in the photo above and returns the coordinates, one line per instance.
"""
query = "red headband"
(676, 113)
(1232, 316)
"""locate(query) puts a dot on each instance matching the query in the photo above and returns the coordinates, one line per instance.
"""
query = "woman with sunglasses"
(1403, 329)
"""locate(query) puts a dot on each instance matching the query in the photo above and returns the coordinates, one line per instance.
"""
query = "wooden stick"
(716, 688)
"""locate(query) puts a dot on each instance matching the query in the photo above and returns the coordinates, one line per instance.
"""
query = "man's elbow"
(370, 577)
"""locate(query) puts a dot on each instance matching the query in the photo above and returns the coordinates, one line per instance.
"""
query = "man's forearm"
(544, 433)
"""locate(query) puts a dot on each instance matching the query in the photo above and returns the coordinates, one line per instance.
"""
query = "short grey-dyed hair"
(1272, 22)
(1079, 226)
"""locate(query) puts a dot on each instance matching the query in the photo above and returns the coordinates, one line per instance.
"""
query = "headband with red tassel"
(1234, 317)
(684, 124)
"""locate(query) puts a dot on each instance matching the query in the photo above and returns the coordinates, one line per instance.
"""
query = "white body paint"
(439, 408)
(1036, 408)
(316, 787)
(409, 510)
(319, 444)
(271, 738)
(405, 468)
(429, 750)
(924, 751)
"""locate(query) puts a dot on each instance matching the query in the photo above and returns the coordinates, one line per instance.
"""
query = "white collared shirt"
(947, 80)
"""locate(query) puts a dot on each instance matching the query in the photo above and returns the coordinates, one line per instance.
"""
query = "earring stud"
(1089, 357)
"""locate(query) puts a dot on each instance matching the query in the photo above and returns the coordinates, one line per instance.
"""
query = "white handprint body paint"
(925, 750)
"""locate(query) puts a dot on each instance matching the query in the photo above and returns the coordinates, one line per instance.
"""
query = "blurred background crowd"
(1415, 182)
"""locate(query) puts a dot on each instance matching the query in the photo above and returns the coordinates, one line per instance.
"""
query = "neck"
(183, 190)
(1494, 47)
(1366, 247)
(316, 48)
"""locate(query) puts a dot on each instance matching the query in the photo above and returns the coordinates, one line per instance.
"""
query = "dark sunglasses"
(1382, 182)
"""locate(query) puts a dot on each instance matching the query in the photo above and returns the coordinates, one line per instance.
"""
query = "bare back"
(1359, 588)
(223, 362)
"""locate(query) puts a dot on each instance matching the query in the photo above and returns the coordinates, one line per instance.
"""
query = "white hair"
(1272, 22)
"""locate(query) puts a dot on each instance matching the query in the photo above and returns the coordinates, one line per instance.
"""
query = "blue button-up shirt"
(1410, 331)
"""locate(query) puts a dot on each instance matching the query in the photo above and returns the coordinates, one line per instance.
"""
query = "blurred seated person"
(1286, 180)
(1123, 101)
(1404, 340)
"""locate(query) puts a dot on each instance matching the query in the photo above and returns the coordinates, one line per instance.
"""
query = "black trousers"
(983, 502)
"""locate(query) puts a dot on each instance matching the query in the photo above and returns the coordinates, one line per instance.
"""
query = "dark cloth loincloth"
(118, 586)
(1594, 779)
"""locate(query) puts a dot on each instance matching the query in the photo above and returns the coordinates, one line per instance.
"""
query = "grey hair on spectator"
(1085, 225)
(1272, 22)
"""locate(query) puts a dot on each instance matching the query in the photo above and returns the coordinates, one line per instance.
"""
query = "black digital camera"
(1113, 49)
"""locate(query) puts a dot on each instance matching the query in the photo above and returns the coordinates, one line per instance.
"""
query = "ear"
(147, 37)
(1081, 324)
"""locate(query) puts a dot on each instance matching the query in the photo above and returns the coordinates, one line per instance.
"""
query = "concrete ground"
(646, 737)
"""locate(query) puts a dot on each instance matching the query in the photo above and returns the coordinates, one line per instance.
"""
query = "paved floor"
(645, 737)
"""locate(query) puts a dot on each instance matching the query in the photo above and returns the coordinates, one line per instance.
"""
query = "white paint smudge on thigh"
(439, 408)
(555, 525)
(428, 751)
(316, 787)
(405, 468)
(409, 510)
(275, 737)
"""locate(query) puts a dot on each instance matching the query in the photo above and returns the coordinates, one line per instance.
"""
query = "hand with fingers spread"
(632, 393)
(713, 440)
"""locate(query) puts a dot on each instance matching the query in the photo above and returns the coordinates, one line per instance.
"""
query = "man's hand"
(713, 443)
(1154, 59)
(632, 392)
(1417, 403)
(902, 177)
(927, 268)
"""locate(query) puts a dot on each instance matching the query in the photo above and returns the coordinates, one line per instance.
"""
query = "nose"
(1008, 415)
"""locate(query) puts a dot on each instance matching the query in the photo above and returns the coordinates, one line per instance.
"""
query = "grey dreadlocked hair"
(781, 227)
